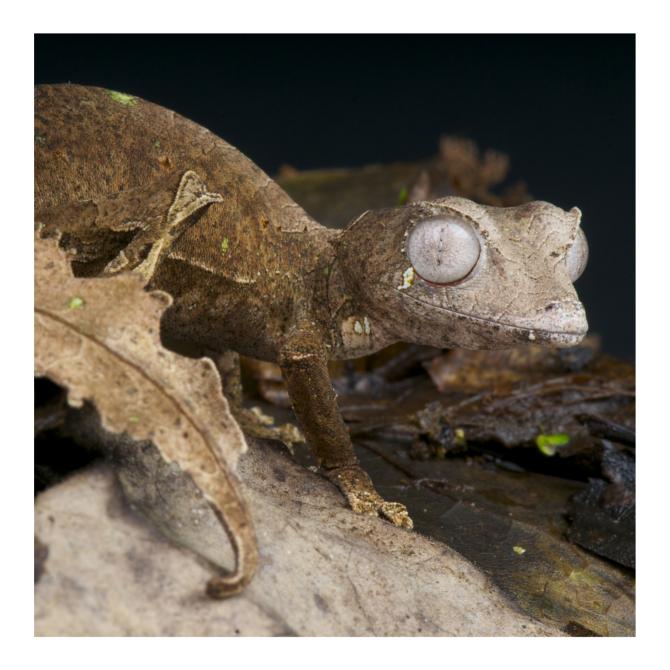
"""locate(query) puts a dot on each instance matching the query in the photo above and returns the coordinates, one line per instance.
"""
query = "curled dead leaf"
(107, 351)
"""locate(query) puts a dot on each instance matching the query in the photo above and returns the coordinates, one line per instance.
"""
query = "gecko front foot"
(362, 497)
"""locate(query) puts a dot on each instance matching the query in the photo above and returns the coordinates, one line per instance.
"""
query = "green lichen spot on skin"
(224, 245)
(403, 197)
(75, 302)
(123, 98)
(408, 277)
(547, 444)
(134, 419)
(518, 550)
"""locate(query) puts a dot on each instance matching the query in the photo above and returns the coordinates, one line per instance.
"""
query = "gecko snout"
(560, 322)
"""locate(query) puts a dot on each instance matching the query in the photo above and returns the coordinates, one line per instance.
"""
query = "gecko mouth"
(559, 338)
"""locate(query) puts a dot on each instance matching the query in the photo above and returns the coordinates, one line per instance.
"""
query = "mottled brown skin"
(250, 271)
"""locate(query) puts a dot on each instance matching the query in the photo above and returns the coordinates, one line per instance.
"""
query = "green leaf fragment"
(547, 444)
(403, 196)
(459, 437)
(519, 550)
(123, 98)
(75, 302)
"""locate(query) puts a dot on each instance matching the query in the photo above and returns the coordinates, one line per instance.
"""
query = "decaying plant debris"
(522, 460)
(335, 197)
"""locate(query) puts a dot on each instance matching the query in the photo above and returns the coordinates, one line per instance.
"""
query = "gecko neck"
(351, 329)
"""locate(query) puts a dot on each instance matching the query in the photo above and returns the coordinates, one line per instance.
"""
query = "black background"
(563, 108)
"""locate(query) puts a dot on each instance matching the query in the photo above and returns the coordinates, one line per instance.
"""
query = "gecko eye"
(577, 256)
(443, 251)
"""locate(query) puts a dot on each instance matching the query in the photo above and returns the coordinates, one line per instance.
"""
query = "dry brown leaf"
(99, 339)
(472, 371)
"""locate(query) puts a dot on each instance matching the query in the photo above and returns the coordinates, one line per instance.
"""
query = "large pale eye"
(577, 256)
(443, 251)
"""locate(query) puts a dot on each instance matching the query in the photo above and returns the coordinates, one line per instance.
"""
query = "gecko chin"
(552, 338)
(564, 325)
(478, 333)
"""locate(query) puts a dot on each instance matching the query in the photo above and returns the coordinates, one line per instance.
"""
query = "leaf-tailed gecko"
(251, 272)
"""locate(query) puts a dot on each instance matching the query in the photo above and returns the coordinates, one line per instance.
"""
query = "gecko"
(137, 187)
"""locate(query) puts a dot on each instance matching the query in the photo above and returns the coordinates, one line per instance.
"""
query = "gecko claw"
(362, 497)
(397, 514)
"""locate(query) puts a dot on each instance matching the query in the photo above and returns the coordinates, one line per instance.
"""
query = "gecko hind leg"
(253, 421)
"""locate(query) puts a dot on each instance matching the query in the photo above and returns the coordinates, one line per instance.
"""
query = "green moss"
(547, 444)
(123, 98)
(75, 302)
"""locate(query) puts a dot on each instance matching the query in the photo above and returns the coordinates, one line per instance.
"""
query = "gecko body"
(250, 271)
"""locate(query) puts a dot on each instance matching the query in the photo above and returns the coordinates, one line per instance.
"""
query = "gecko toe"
(397, 514)
(362, 506)
(362, 497)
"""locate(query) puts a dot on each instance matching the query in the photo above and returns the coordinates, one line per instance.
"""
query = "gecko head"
(453, 273)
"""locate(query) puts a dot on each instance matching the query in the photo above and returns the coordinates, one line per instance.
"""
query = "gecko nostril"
(562, 315)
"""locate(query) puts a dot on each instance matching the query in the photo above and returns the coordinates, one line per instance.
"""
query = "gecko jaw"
(557, 338)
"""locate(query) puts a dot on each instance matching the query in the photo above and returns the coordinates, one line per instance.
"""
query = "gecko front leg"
(304, 365)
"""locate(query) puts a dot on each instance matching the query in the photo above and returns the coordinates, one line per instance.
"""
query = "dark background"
(563, 108)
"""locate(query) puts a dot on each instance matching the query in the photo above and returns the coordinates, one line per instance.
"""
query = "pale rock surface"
(323, 570)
